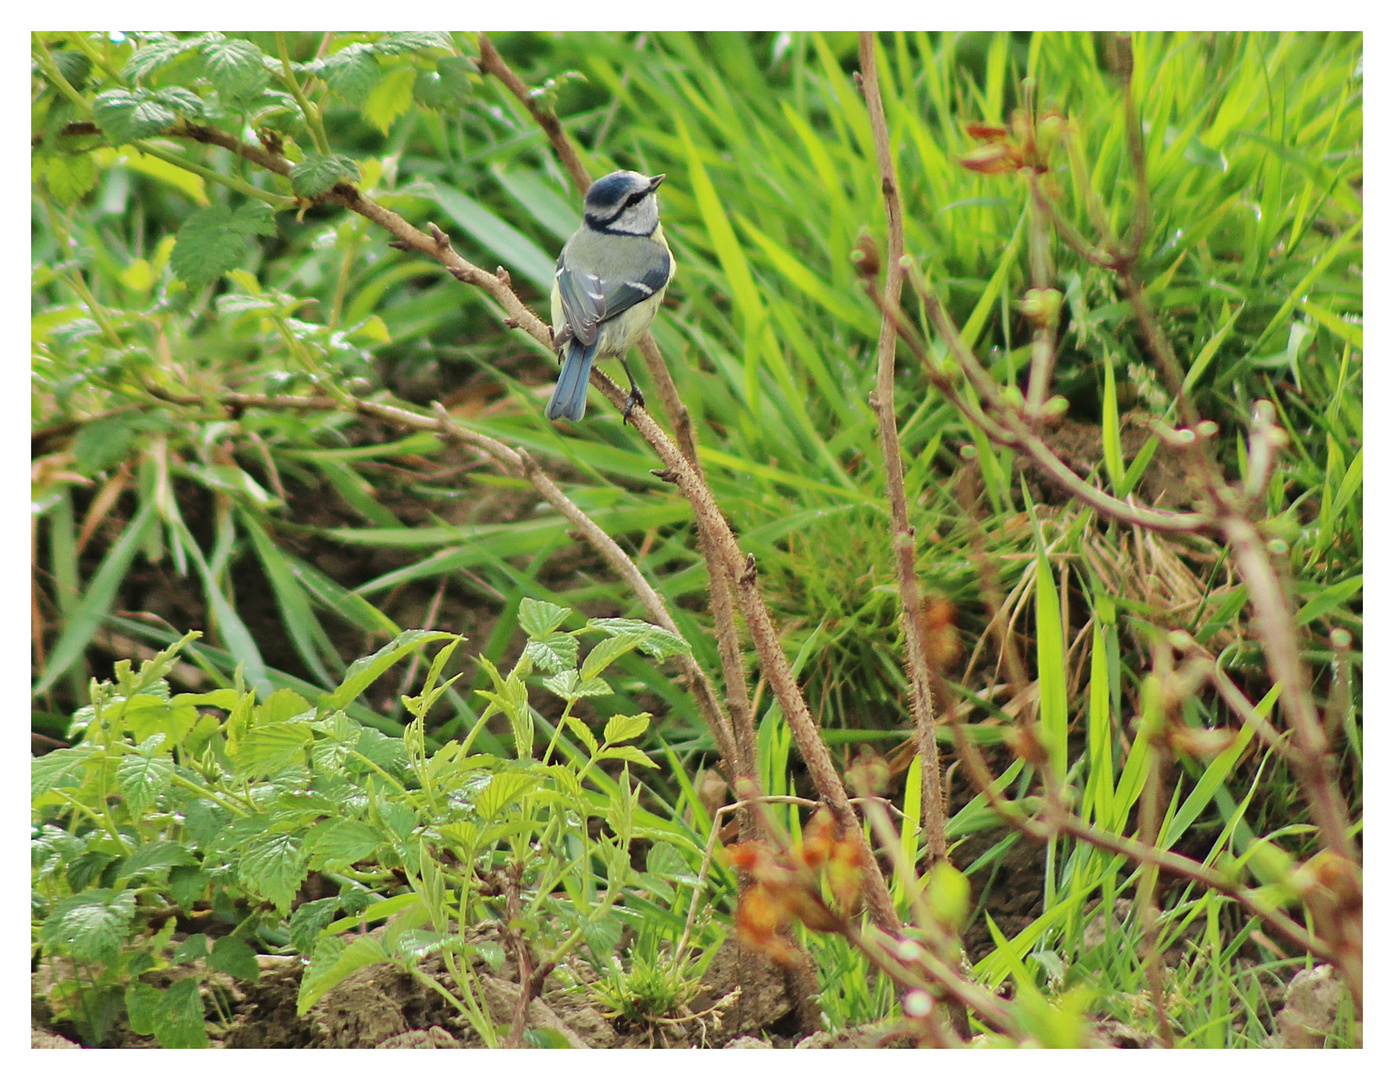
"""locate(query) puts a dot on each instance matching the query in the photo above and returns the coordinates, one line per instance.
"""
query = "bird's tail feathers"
(569, 398)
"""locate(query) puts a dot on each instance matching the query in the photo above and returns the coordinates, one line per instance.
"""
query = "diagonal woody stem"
(903, 533)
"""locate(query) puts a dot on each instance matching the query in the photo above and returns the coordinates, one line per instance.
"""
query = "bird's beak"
(654, 181)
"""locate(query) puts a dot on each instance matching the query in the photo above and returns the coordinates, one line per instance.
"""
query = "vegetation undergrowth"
(1125, 374)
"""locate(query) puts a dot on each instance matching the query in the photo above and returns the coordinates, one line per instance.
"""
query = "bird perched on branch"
(611, 276)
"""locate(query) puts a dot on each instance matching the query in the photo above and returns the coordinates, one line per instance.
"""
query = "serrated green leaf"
(180, 99)
(283, 704)
(70, 176)
(308, 920)
(351, 74)
(273, 865)
(539, 618)
(127, 115)
(142, 1000)
(235, 957)
(606, 652)
(193, 948)
(254, 219)
(626, 753)
(412, 41)
(58, 768)
(666, 861)
(142, 780)
(158, 53)
(87, 868)
(587, 737)
(91, 926)
(336, 845)
(390, 98)
(657, 642)
(236, 68)
(207, 247)
(187, 884)
(553, 653)
(333, 962)
(362, 673)
(179, 1023)
(320, 172)
(503, 788)
(621, 728)
(449, 88)
(155, 856)
(271, 747)
(570, 686)
(74, 66)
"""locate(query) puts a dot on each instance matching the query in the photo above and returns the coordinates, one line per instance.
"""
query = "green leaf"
(351, 74)
(333, 962)
(273, 865)
(142, 1000)
(155, 856)
(503, 789)
(179, 1018)
(187, 885)
(320, 172)
(412, 41)
(236, 68)
(390, 98)
(82, 623)
(58, 768)
(70, 176)
(214, 241)
(127, 115)
(362, 673)
(308, 920)
(587, 737)
(91, 926)
(1330, 598)
(272, 747)
(142, 780)
(74, 66)
(156, 54)
(626, 753)
(235, 957)
(553, 653)
(334, 846)
(449, 88)
(608, 651)
(570, 685)
(194, 948)
(620, 729)
(656, 642)
(539, 618)
(1050, 661)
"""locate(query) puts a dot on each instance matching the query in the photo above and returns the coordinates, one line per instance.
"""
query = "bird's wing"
(588, 299)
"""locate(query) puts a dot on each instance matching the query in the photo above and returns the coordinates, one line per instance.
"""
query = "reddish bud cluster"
(817, 881)
(1025, 145)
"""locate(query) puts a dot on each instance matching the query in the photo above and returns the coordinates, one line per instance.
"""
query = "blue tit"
(611, 277)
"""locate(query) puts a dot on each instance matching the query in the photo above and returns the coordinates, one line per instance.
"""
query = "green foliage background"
(299, 541)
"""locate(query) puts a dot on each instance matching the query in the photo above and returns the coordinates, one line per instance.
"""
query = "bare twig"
(728, 638)
(493, 64)
(903, 533)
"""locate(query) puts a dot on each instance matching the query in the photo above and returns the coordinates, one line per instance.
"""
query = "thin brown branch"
(493, 64)
(1004, 425)
(903, 533)
(512, 463)
(719, 587)
(1142, 854)
(725, 556)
